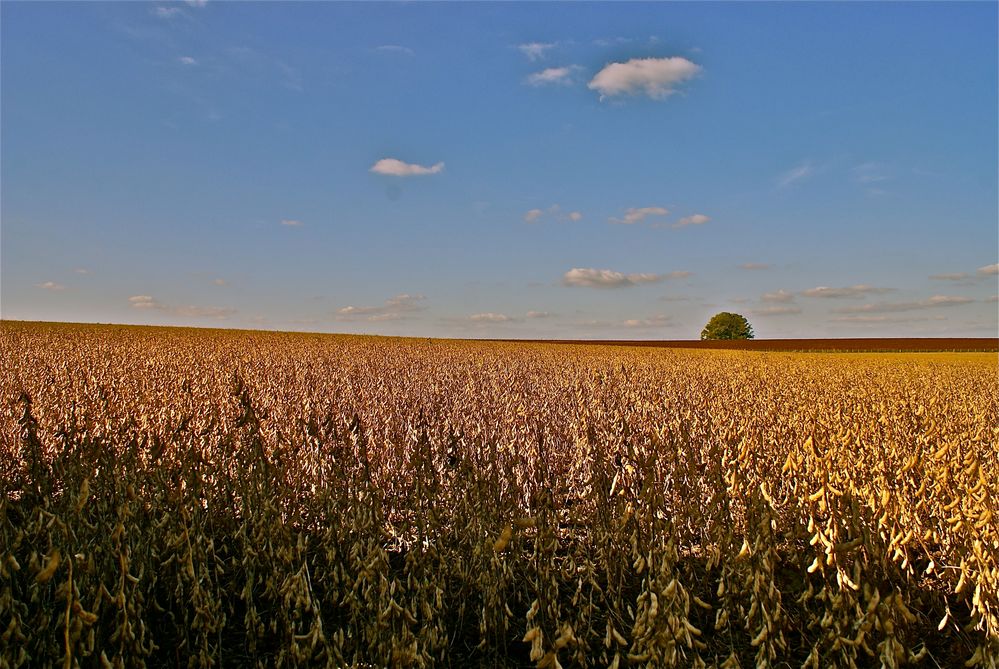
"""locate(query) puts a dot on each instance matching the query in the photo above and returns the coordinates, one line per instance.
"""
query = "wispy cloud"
(166, 12)
(852, 292)
(396, 168)
(187, 60)
(638, 214)
(887, 307)
(605, 278)
(754, 266)
(994, 298)
(395, 308)
(51, 285)
(696, 219)
(291, 222)
(196, 3)
(989, 270)
(490, 317)
(952, 276)
(656, 321)
(795, 174)
(776, 310)
(538, 314)
(553, 212)
(82, 270)
(870, 173)
(554, 76)
(535, 50)
(655, 77)
(394, 48)
(149, 303)
(778, 296)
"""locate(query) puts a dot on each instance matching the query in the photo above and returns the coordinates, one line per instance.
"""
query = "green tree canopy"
(727, 326)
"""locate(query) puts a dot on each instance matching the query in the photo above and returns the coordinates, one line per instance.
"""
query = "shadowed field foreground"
(184, 498)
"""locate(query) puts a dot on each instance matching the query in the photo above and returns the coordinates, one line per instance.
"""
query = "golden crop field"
(196, 498)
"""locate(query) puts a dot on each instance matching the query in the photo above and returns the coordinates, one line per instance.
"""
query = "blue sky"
(511, 170)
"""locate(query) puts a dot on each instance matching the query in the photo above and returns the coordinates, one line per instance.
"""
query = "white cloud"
(885, 307)
(538, 314)
(776, 310)
(291, 222)
(778, 296)
(490, 317)
(51, 285)
(638, 214)
(605, 278)
(189, 311)
(754, 266)
(187, 60)
(696, 219)
(554, 76)
(394, 48)
(555, 212)
(657, 321)
(397, 168)
(858, 291)
(82, 270)
(795, 174)
(395, 308)
(655, 77)
(535, 50)
(989, 270)
(196, 3)
(166, 12)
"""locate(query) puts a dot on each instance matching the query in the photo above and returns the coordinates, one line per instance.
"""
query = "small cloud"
(869, 173)
(82, 270)
(220, 282)
(538, 314)
(953, 276)
(490, 317)
(795, 174)
(166, 12)
(147, 302)
(394, 48)
(989, 270)
(994, 298)
(187, 60)
(858, 291)
(292, 222)
(696, 219)
(196, 3)
(657, 321)
(929, 303)
(554, 76)
(776, 310)
(655, 77)
(605, 278)
(754, 266)
(638, 214)
(395, 308)
(51, 285)
(679, 274)
(535, 50)
(674, 298)
(778, 296)
(555, 212)
(397, 168)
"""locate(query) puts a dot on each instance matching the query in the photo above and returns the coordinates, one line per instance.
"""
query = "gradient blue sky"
(590, 170)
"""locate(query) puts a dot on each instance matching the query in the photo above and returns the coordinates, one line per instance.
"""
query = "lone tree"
(727, 326)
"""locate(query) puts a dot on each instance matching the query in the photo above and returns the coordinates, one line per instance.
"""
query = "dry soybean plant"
(191, 498)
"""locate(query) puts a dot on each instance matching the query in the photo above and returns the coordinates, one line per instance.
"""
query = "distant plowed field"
(196, 498)
(859, 345)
